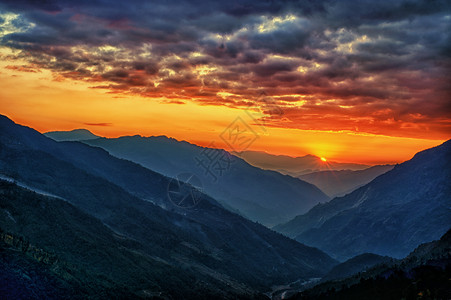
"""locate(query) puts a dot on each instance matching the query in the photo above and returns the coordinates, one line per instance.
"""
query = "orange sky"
(350, 82)
(46, 103)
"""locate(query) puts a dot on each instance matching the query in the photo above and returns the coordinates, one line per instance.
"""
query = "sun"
(323, 159)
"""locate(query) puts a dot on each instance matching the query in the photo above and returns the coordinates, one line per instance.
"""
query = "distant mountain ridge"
(261, 195)
(389, 216)
(334, 179)
(294, 166)
(73, 135)
(337, 183)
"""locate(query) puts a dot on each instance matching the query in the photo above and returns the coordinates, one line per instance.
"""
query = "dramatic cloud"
(370, 66)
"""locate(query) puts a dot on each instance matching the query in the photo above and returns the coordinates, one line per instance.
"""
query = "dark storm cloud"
(272, 67)
(380, 58)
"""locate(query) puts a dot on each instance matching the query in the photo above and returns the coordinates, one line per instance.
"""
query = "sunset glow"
(236, 149)
(317, 83)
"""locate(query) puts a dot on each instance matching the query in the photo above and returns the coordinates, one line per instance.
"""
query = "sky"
(357, 81)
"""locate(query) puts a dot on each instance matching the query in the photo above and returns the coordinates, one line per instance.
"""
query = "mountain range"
(389, 216)
(294, 166)
(261, 195)
(160, 153)
(333, 178)
(341, 182)
(72, 135)
(99, 223)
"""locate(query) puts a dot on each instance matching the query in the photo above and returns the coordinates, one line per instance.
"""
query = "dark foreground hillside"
(424, 274)
(66, 250)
